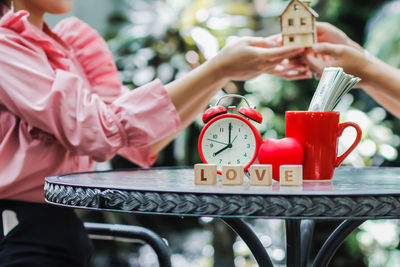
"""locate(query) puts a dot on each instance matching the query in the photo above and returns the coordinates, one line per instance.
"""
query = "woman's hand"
(295, 68)
(327, 33)
(250, 56)
(336, 49)
(352, 60)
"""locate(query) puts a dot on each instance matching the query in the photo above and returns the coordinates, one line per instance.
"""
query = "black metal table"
(353, 196)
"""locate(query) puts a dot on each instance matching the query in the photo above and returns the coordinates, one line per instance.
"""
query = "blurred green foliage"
(166, 39)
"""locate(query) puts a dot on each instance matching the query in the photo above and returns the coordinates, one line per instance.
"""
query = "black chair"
(134, 234)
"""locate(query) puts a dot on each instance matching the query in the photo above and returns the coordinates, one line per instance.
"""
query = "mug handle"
(343, 126)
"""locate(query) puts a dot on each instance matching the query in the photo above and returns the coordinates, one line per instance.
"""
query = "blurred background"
(168, 38)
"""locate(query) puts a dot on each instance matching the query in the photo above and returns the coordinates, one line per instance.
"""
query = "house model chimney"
(306, 2)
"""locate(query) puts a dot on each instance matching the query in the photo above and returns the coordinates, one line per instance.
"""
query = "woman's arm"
(383, 84)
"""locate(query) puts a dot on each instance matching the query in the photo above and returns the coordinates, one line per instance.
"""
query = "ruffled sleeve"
(57, 102)
(148, 109)
(97, 61)
(94, 56)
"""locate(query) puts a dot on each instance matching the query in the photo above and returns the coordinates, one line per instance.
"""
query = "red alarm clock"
(229, 138)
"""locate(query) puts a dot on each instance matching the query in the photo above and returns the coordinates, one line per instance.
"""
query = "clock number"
(215, 136)
(238, 161)
(211, 145)
(220, 161)
(221, 130)
(245, 136)
(248, 145)
(229, 163)
(245, 155)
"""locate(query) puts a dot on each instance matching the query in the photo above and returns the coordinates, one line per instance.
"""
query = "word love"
(260, 174)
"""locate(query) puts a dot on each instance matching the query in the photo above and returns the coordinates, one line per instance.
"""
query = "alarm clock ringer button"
(213, 112)
(251, 113)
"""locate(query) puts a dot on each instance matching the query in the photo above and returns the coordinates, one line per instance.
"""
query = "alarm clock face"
(229, 140)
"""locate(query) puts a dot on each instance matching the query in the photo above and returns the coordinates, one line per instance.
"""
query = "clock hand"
(230, 133)
(223, 149)
(233, 140)
(217, 141)
(228, 146)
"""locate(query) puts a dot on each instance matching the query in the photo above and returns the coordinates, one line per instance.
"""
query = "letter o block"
(205, 174)
(232, 174)
(260, 174)
(291, 175)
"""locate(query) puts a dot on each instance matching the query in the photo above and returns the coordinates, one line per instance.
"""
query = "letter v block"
(260, 174)
(232, 174)
(205, 174)
(291, 175)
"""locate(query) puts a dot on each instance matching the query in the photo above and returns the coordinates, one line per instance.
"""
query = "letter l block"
(205, 174)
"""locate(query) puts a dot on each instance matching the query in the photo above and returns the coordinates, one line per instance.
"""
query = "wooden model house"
(298, 24)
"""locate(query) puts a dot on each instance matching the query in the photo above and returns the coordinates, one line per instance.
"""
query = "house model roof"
(312, 11)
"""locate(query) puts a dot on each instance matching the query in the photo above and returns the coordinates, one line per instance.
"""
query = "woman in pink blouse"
(62, 107)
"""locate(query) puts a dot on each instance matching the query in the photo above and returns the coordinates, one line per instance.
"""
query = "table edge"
(226, 205)
(57, 179)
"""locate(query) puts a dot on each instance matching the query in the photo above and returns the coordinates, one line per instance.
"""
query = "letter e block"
(291, 175)
(205, 174)
(232, 174)
(260, 174)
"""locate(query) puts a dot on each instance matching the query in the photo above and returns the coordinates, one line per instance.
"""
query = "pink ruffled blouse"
(62, 106)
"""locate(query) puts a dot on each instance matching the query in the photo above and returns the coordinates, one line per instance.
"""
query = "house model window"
(296, 7)
(290, 22)
(291, 39)
(303, 21)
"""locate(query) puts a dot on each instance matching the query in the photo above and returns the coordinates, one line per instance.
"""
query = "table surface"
(352, 193)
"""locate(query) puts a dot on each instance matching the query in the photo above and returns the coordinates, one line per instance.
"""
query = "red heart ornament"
(285, 151)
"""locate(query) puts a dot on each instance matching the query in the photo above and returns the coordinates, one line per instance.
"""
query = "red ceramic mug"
(319, 133)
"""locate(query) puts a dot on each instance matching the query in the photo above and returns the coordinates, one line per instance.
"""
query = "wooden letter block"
(291, 175)
(232, 174)
(260, 174)
(205, 174)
